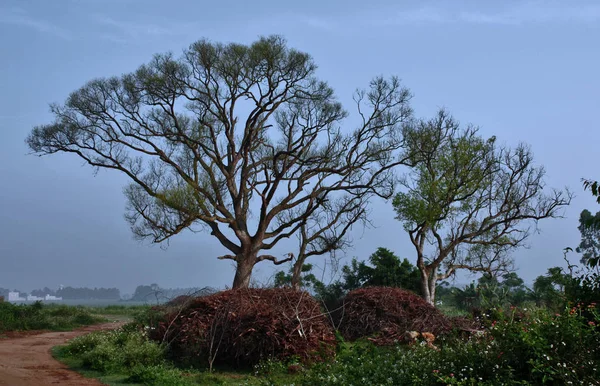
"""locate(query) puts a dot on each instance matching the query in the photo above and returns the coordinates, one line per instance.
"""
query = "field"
(515, 347)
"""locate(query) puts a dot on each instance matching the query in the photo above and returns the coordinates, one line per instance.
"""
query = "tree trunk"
(296, 274)
(243, 271)
(428, 283)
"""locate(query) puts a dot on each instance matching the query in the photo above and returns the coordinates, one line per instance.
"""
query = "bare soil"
(26, 360)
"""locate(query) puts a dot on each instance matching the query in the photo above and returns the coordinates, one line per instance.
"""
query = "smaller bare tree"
(325, 231)
(466, 198)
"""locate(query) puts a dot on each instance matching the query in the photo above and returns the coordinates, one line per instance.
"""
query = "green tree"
(468, 202)
(307, 280)
(385, 269)
(549, 290)
(509, 289)
(593, 187)
(224, 129)
(589, 245)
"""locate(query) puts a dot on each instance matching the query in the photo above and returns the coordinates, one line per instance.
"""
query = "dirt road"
(25, 359)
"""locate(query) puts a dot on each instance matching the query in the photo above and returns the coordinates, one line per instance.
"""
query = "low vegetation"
(510, 335)
(517, 347)
(37, 316)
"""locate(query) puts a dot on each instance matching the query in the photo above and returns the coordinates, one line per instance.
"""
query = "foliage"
(549, 289)
(308, 280)
(158, 375)
(146, 293)
(242, 327)
(593, 187)
(520, 348)
(38, 316)
(468, 200)
(589, 247)
(385, 270)
(109, 351)
(558, 289)
(489, 292)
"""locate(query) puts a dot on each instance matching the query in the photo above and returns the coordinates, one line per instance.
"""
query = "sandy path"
(25, 360)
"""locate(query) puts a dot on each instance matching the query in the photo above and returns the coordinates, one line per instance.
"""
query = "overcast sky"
(523, 71)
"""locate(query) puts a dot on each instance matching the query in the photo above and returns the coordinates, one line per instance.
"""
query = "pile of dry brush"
(242, 327)
(385, 314)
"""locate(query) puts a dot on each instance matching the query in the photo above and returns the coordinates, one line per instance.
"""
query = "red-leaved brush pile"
(385, 314)
(241, 327)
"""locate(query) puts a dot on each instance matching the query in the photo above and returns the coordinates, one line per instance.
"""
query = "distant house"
(14, 297)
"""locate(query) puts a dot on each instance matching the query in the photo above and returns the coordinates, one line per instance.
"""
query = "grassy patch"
(38, 316)
(119, 313)
(119, 310)
(126, 357)
(519, 347)
(76, 364)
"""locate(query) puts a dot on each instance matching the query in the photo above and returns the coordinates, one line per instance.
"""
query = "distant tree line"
(80, 293)
(154, 293)
(555, 289)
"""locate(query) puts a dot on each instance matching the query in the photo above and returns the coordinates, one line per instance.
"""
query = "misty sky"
(523, 71)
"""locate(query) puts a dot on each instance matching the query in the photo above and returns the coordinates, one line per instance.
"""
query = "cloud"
(19, 17)
(530, 12)
(518, 13)
(125, 31)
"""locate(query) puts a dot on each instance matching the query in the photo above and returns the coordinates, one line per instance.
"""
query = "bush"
(541, 346)
(242, 327)
(388, 313)
(107, 351)
(520, 348)
(158, 375)
(38, 316)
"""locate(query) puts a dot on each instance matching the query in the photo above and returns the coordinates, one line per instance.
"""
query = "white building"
(14, 297)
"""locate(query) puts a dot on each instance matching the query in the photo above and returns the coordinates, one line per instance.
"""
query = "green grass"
(119, 313)
(193, 377)
(118, 310)
(126, 357)
(38, 316)
(76, 364)
(451, 311)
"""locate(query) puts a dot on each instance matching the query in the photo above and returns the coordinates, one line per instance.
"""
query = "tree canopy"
(243, 141)
(384, 268)
(589, 245)
(466, 201)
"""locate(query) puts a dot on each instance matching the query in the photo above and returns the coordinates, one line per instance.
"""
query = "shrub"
(520, 348)
(104, 357)
(542, 346)
(388, 313)
(84, 343)
(38, 316)
(242, 327)
(107, 351)
(158, 375)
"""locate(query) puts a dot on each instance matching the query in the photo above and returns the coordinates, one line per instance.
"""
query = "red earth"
(25, 358)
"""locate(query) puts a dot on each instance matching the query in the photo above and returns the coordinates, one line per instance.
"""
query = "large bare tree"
(241, 140)
(467, 202)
